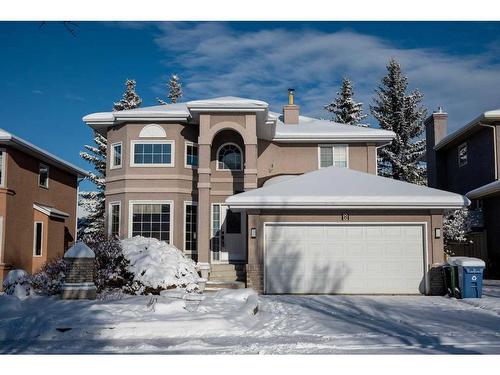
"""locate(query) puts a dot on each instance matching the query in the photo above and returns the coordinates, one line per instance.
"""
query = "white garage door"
(332, 258)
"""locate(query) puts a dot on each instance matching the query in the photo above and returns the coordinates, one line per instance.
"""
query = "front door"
(228, 243)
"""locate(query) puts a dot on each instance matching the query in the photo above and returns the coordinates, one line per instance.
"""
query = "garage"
(309, 258)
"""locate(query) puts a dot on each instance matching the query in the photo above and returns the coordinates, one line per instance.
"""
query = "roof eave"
(363, 206)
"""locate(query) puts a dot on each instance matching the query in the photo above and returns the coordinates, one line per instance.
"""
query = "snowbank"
(158, 265)
(17, 283)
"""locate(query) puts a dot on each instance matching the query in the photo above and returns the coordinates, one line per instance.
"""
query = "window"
(43, 176)
(114, 219)
(116, 155)
(233, 222)
(462, 155)
(333, 155)
(216, 229)
(229, 157)
(38, 239)
(190, 232)
(152, 154)
(151, 220)
(191, 155)
(2, 167)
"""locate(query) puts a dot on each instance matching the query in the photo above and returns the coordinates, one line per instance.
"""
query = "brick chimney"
(291, 111)
(436, 128)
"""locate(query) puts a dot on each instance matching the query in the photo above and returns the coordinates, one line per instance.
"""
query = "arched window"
(229, 157)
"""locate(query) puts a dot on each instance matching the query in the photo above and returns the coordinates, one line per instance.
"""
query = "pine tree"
(174, 89)
(130, 98)
(403, 114)
(344, 109)
(93, 202)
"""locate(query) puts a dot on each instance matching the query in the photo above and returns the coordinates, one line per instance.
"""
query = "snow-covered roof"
(50, 211)
(487, 116)
(485, 190)
(334, 187)
(312, 129)
(227, 102)
(79, 250)
(30, 148)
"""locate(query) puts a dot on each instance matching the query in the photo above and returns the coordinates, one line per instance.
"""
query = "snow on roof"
(493, 115)
(6, 137)
(50, 211)
(345, 188)
(485, 190)
(175, 110)
(310, 128)
(228, 102)
(79, 250)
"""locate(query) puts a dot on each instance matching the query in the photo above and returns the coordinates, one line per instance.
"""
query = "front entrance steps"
(231, 276)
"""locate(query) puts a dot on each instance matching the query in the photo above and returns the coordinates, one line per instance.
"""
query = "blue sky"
(51, 79)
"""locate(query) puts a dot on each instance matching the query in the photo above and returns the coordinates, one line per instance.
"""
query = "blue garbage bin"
(470, 276)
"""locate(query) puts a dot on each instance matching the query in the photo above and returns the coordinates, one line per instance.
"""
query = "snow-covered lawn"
(224, 322)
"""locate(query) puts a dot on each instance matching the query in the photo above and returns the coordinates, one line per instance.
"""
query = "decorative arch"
(152, 131)
(226, 125)
(229, 157)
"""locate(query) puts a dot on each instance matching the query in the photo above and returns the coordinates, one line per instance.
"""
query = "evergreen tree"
(130, 98)
(93, 202)
(174, 89)
(403, 114)
(344, 109)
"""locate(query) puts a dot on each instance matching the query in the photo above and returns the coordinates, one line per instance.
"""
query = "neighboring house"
(467, 161)
(217, 178)
(38, 199)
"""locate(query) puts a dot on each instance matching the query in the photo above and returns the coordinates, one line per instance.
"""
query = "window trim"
(34, 240)
(161, 201)
(186, 144)
(110, 216)
(48, 175)
(332, 146)
(463, 145)
(165, 141)
(217, 157)
(112, 164)
(3, 177)
(189, 203)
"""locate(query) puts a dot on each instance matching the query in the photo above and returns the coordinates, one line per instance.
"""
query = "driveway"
(224, 323)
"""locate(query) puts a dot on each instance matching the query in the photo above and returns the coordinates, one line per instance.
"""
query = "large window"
(116, 155)
(462, 155)
(190, 232)
(152, 154)
(333, 155)
(2, 167)
(229, 158)
(151, 219)
(38, 239)
(114, 219)
(43, 176)
(191, 155)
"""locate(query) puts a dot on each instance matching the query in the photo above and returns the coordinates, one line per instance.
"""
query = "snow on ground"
(224, 322)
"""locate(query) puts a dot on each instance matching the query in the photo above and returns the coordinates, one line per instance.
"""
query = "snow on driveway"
(224, 322)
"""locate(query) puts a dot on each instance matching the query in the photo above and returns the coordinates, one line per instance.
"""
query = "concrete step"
(217, 285)
(227, 267)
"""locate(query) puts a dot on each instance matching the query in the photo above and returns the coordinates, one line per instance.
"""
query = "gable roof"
(29, 148)
(334, 187)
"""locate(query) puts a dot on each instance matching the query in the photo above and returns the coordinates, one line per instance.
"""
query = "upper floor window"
(152, 154)
(333, 155)
(116, 155)
(43, 176)
(191, 155)
(462, 155)
(2, 167)
(229, 157)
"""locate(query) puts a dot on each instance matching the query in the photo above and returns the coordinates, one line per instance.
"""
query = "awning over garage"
(345, 188)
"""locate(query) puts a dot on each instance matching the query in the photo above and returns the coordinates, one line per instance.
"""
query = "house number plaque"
(345, 216)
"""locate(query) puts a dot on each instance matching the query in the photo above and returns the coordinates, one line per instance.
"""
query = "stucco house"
(467, 162)
(283, 202)
(38, 204)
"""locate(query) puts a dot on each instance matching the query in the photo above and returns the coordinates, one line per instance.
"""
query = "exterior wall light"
(253, 233)
(437, 232)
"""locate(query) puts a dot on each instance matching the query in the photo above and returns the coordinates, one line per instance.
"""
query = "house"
(467, 161)
(283, 202)
(38, 202)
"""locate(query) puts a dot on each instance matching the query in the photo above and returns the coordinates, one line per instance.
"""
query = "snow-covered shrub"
(157, 266)
(50, 279)
(456, 225)
(110, 265)
(17, 283)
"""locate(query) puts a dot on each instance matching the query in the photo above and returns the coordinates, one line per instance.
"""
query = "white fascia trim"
(227, 109)
(49, 212)
(485, 190)
(341, 207)
(313, 139)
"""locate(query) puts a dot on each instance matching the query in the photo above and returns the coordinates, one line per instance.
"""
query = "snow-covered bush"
(17, 283)
(50, 279)
(110, 265)
(157, 266)
(456, 225)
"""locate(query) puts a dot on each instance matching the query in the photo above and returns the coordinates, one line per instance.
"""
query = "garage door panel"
(329, 258)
